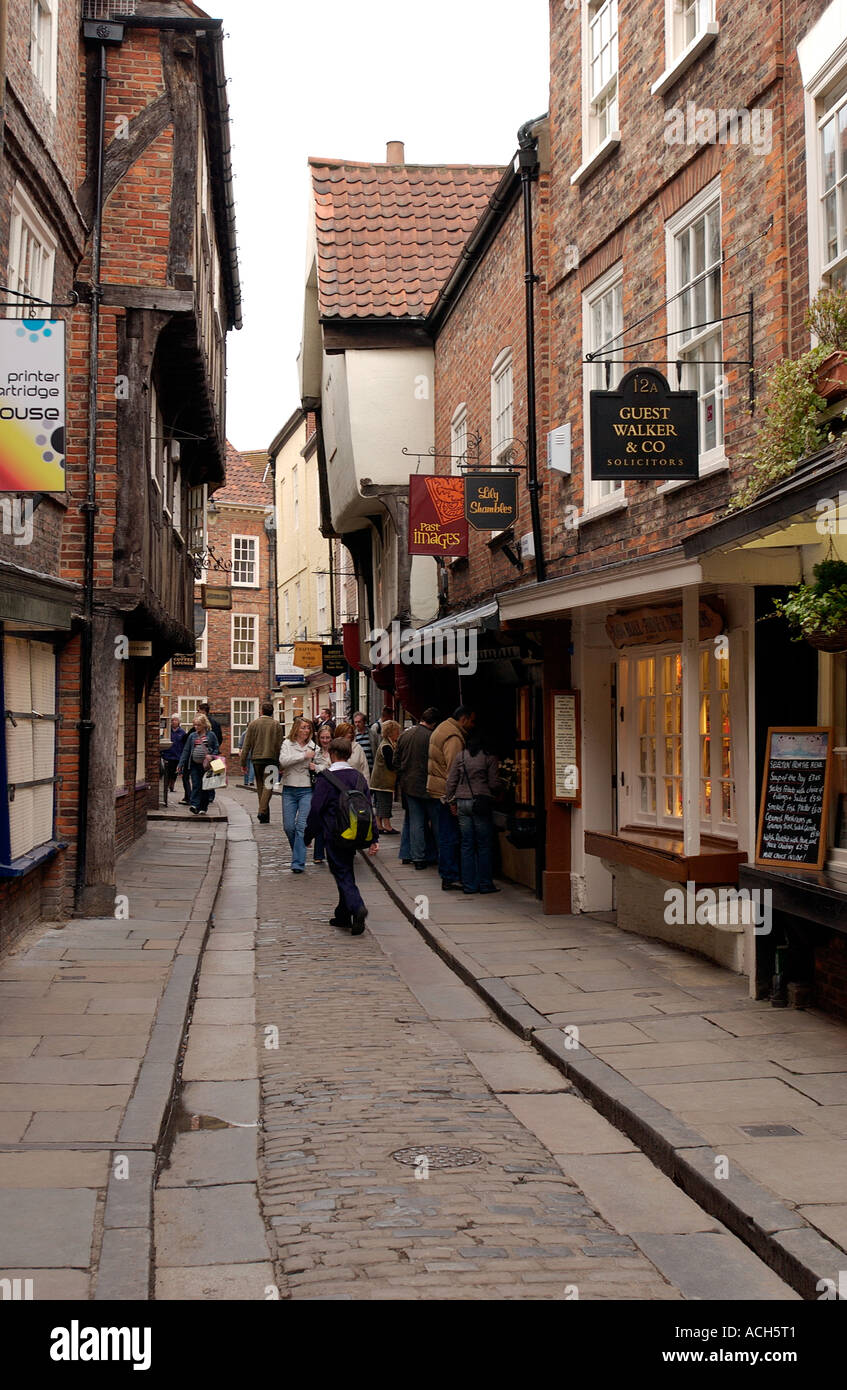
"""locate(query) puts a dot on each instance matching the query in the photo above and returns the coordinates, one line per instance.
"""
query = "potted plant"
(818, 612)
(826, 316)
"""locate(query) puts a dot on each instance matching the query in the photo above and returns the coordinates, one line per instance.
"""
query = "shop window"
(141, 738)
(29, 690)
(243, 712)
(120, 750)
(832, 178)
(43, 39)
(602, 330)
(652, 741)
(695, 333)
(32, 256)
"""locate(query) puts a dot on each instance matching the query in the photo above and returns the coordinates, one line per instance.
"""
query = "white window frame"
(684, 43)
(235, 620)
(176, 509)
(237, 727)
(141, 738)
(602, 495)
(322, 602)
(120, 750)
(711, 460)
(43, 51)
(831, 107)
(186, 707)
(196, 536)
(254, 543)
(459, 440)
(823, 63)
(298, 603)
(29, 235)
(201, 647)
(155, 446)
(502, 409)
(286, 615)
(629, 746)
(600, 136)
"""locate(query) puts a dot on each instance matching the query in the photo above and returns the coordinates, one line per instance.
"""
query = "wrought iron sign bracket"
(469, 461)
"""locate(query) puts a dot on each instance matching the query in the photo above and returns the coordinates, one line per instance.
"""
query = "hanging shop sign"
(307, 655)
(184, 661)
(491, 500)
(334, 662)
(644, 430)
(795, 797)
(32, 405)
(661, 622)
(215, 596)
(437, 524)
(140, 649)
(564, 743)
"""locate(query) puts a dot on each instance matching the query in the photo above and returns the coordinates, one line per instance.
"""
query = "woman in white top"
(357, 758)
(296, 763)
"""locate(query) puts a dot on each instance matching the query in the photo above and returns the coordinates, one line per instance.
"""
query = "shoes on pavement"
(406, 861)
(359, 922)
(447, 886)
(264, 820)
(194, 811)
(334, 922)
(183, 803)
(318, 861)
(491, 890)
(296, 871)
(419, 863)
(471, 891)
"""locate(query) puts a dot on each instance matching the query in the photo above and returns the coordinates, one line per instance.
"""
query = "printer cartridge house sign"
(644, 430)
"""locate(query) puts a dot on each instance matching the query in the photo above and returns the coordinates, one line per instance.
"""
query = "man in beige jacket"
(262, 743)
(447, 741)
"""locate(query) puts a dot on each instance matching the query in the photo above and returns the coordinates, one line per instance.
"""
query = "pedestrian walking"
(411, 762)
(341, 805)
(362, 736)
(324, 718)
(358, 757)
(200, 747)
(376, 729)
(384, 776)
(323, 760)
(472, 784)
(262, 746)
(296, 762)
(445, 743)
(247, 765)
(174, 753)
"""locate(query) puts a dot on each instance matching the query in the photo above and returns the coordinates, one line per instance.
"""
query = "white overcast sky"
(454, 79)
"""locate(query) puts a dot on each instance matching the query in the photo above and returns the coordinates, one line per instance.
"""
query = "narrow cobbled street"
(367, 1084)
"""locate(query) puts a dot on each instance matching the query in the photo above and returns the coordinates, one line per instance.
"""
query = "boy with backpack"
(341, 807)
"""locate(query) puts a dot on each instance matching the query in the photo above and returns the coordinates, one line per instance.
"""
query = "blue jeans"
(422, 820)
(477, 846)
(199, 799)
(448, 844)
(250, 775)
(295, 809)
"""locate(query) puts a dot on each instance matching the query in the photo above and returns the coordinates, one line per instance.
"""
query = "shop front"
(659, 675)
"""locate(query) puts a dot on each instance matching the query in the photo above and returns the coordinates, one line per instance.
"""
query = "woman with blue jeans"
(472, 784)
(296, 763)
(200, 745)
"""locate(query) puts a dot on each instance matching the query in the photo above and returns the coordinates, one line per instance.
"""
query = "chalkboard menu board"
(795, 793)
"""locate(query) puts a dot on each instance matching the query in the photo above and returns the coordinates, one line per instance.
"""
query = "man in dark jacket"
(411, 761)
(351, 910)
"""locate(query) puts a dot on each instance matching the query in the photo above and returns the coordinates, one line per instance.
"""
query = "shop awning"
(352, 645)
(622, 582)
(819, 478)
(485, 615)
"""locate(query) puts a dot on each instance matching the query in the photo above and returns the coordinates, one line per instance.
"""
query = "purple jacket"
(325, 800)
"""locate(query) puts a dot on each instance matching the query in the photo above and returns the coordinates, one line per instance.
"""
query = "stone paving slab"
(691, 1044)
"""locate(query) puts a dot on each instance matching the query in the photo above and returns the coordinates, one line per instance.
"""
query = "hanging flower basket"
(818, 612)
(831, 377)
(828, 641)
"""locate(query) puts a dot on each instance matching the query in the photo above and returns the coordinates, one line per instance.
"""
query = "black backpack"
(354, 817)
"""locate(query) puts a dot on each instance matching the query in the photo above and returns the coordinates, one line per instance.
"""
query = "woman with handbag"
(297, 769)
(201, 746)
(472, 784)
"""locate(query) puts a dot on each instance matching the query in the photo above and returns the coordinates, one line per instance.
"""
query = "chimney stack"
(395, 152)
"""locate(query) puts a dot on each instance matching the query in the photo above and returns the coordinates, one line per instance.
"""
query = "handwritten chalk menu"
(564, 742)
(795, 795)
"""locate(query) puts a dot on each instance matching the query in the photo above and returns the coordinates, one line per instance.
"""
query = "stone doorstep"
(781, 1237)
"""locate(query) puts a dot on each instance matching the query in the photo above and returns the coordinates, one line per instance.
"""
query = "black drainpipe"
(526, 162)
(89, 506)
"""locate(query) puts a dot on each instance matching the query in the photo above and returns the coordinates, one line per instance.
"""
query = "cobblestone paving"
(361, 1072)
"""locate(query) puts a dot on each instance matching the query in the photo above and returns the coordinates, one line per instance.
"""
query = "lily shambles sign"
(644, 429)
(491, 500)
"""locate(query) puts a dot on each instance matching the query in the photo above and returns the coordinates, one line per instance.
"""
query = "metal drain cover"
(438, 1156)
(769, 1131)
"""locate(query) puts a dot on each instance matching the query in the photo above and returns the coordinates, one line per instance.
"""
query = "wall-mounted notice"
(795, 794)
(564, 743)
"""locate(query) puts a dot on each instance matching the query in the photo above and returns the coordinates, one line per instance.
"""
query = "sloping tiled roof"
(388, 235)
(244, 486)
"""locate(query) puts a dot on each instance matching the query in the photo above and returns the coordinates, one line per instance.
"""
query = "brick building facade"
(96, 604)
(236, 653)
